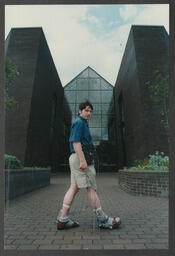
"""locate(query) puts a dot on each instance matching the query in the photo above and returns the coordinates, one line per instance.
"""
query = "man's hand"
(78, 149)
(83, 165)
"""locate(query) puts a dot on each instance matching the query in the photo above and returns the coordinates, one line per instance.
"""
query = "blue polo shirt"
(79, 133)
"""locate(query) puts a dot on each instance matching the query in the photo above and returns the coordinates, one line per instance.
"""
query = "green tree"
(10, 74)
(159, 95)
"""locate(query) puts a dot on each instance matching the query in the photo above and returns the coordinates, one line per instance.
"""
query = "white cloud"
(94, 20)
(154, 15)
(112, 23)
(128, 11)
(72, 46)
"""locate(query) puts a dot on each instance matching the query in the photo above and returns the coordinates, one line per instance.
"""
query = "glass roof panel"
(84, 73)
(97, 109)
(105, 85)
(95, 121)
(95, 96)
(82, 84)
(104, 133)
(96, 133)
(71, 86)
(93, 74)
(94, 84)
(104, 122)
(72, 108)
(82, 96)
(105, 108)
(106, 96)
(91, 86)
(70, 96)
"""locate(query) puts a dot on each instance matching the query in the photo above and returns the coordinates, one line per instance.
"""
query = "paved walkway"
(30, 219)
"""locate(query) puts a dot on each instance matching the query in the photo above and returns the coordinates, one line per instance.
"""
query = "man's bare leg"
(94, 200)
(63, 221)
(68, 199)
(103, 220)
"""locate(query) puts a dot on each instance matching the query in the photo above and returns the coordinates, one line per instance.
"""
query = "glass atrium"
(89, 85)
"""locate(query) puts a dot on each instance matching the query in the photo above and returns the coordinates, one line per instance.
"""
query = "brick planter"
(18, 182)
(144, 182)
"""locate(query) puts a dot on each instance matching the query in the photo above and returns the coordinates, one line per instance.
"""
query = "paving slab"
(30, 219)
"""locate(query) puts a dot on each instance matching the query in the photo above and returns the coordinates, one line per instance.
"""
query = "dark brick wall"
(44, 124)
(63, 140)
(19, 182)
(33, 129)
(146, 50)
(142, 182)
(22, 50)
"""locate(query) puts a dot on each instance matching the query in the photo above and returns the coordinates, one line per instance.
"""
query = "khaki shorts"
(83, 179)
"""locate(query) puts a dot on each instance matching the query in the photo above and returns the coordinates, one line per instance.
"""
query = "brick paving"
(30, 219)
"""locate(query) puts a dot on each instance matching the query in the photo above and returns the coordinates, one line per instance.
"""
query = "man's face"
(86, 112)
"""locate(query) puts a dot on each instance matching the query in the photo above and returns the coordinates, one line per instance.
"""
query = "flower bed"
(144, 182)
(18, 182)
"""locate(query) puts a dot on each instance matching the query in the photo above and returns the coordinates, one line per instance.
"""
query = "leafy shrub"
(158, 161)
(11, 162)
(11, 71)
(142, 164)
(159, 95)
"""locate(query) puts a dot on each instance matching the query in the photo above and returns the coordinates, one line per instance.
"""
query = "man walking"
(83, 175)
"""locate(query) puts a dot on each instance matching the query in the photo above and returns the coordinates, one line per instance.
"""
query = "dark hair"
(83, 105)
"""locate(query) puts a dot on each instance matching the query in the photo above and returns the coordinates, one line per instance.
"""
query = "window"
(89, 85)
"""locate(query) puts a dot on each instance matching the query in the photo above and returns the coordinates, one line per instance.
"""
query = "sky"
(86, 35)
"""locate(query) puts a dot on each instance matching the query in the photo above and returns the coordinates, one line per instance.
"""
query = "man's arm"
(78, 149)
